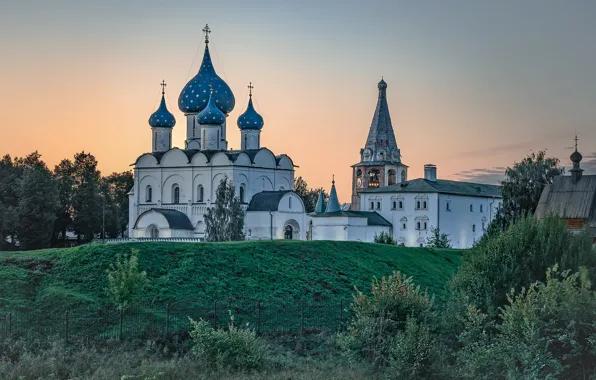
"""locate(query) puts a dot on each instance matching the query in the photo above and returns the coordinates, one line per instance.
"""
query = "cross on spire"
(576, 142)
(163, 87)
(333, 179)
(250, 87)
(207, 31)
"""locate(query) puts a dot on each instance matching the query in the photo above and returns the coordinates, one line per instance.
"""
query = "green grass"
(189, 276)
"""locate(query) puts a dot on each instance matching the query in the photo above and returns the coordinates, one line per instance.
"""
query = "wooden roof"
(565, 199)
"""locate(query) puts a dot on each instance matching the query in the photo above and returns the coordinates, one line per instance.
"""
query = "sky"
(473, 86)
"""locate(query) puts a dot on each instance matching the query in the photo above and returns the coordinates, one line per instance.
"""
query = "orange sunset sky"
(472, 87)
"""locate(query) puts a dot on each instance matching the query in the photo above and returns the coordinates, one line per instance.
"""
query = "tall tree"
(116, 188)
(309, 195)
(64, 174)
(38, 201)
(86, 198)
(225, 221)
(8, 201)
(523, 186)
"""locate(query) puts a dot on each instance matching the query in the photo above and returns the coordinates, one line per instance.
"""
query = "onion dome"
(162, 118)
(195, 95)
(382, 84)
(576, 157)
(211, 115)
(250, 119)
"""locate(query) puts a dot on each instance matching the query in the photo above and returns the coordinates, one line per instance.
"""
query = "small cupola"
(162, 118)
(576, 158)
(333, 203)
(250, 119)
(211, 115)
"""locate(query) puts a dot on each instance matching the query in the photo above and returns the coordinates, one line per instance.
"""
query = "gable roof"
(373, 218)
(441, 186)
(565, 199)
(176, 219)
(266, 200)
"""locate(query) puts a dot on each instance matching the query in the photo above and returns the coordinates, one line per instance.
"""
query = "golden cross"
(250, 87)
(206, 30)
(163, 87)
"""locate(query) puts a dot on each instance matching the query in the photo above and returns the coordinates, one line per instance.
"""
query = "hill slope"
(286, 271)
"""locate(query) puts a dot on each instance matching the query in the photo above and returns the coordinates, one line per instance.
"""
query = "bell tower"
(380, 159)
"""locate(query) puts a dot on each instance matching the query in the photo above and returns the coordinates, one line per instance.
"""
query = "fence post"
(214, 315)
(66, 326)
(341, 315)
(302, 317)
(258, 316)
(167, 320)
(120, 332)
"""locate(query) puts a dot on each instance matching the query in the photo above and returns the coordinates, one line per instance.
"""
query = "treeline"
(39, 207)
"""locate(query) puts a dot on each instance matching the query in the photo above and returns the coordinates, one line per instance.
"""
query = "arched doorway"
(152, 231)
(288, 232)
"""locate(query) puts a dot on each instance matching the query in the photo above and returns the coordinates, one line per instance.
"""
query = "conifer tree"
(225, 220)
(437, 239)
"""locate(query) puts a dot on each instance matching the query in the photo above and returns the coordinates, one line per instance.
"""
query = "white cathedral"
(173, 187)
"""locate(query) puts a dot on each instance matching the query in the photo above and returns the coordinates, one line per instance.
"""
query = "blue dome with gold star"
(195, 95)
(211, 115)
(250, 119)
(162, 118)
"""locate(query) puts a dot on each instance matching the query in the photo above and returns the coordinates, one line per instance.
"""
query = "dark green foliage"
(523, 186)
(382, 315)
(517, 258)
(115, 188)
(38, 201)
(384, 238)
(225, 220)
(64, 175)
(235, 348)
(309, 195)
(86, 198)
(548, 330)
(437, 239)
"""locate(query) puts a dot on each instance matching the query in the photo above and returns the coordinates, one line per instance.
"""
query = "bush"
(384, 238)
(548, 330)
(379, 317)
(514, 259)
(125, 281)
(234, 348)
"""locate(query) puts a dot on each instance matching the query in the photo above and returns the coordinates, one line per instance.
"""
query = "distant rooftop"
(441, 186)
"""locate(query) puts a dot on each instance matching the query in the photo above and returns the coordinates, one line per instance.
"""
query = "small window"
(404, 226)
(200, 193)
(155, 141)
(473, 228)
(372, 205)
(424, 205)
(471, 208)
(393, 205)
(378, 205)
(418, 226)
(424, 226)
(242, 195)
(176, 194)
(417, 205)
(448, 206)
(290, 202)
(481, 208)
(483, 226)
(400, 205)
(149, 196)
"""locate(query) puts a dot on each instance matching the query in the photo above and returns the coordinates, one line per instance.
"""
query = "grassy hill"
(48, 282)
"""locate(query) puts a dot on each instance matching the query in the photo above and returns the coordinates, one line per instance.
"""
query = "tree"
(437, 239)
(225, 221)
(523, 186)
(86, 198)
(8, 200)
(115, 188)
(125, 281)
(38, 201)
(309, 195)
(64, 174)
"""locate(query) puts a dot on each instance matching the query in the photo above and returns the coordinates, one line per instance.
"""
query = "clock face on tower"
(359, 182)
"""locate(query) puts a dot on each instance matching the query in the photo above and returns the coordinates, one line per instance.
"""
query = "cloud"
(491, 176)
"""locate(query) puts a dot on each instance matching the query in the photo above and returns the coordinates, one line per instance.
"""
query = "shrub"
(384, 238)
(235, 348)
(548, 330)
(125, 281)
(379, 317)
(437, 239)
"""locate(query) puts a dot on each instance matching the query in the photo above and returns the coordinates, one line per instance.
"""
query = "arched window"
(373, 178)
(148, 194)
(473, 228)
(154, 140)
(424, 226)
(471, 208)
(200, 193)
(152, 231)
(378, 205)
(242, 193)
(424, 205)
(393, 205)
(418, 225)
(417, 205)
(175, 193)
(288, 232)
(392, 177)
(290, 202)
(358, 173)
(403, 176)
(481, 208)
(401, 205)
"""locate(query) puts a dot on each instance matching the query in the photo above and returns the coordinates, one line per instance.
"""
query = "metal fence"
(171, 321)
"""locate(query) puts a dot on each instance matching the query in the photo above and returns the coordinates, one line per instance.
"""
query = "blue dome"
(250, 119)
(195, 95)
(211, 114)
(162, 118)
